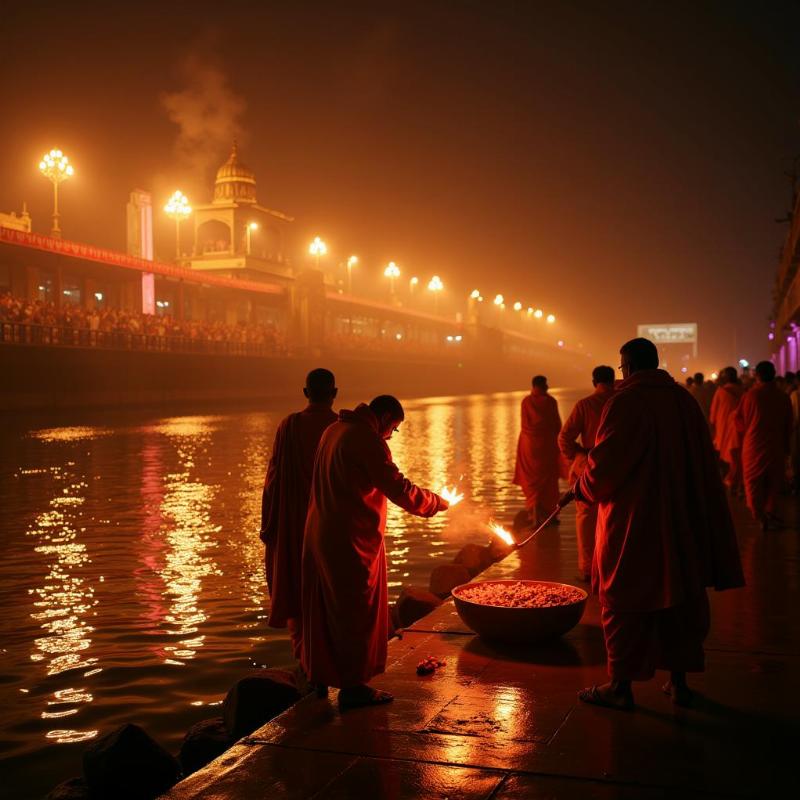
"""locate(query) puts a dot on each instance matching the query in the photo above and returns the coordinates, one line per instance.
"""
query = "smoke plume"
(207, 112)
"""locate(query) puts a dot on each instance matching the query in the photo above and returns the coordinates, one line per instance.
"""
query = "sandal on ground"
(363, 696)
(594, 697)
(681, 695)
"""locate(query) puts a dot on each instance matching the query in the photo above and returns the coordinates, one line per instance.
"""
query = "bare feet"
(359, 696)
(609, 695)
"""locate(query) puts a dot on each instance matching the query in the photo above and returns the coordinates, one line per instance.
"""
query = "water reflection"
(64, 599)
(189, 537)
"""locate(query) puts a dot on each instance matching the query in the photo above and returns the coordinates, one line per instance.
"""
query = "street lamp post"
(251, 226)
(178, 208)
(317, 248)
(56, 168)
(392, 272)
(436, 286)
(351, 262)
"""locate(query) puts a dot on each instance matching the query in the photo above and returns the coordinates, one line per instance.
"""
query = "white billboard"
(670, 332)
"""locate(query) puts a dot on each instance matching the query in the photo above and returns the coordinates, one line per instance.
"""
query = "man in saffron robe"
(764, 419)
(284, 501)
(345, 606)
(727, 440)
(538, 463)
(583, 422)
(664, 530)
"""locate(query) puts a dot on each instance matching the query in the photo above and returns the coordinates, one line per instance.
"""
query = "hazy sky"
(615, 162)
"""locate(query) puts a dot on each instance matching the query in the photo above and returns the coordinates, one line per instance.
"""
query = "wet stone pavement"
(505, 723)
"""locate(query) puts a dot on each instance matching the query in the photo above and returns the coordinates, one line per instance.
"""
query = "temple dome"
(235, 182)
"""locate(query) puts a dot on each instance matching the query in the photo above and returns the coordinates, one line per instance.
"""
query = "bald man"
(284, 501)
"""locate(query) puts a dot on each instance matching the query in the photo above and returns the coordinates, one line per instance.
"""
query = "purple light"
(770, 336)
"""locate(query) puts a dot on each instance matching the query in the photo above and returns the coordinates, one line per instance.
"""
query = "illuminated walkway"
(505, 723)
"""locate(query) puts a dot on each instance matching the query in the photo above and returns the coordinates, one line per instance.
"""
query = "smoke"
(207, 112)
(469, 521)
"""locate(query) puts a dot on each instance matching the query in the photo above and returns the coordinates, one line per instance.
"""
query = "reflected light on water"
(189, 536)
(64, 599)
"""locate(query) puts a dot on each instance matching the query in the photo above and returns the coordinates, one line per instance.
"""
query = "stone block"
(413, 604)
(446, 576)
(203, 743)
(128, 764)
(258, 698)
(476, 558)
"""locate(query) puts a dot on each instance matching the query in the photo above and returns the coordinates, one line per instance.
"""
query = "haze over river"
(132, 581)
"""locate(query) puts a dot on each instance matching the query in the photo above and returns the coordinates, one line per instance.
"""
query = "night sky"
(614, 163)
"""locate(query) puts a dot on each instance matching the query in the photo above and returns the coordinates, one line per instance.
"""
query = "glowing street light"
(413, 283)
(436, 286)
(538, 313)
(317, 248)
(351, 262)
(518, 306)
(252, 226)
(551, 318)
(475, 294)
(178, 208)
(392, 272)
(499, 300)
(56, 168)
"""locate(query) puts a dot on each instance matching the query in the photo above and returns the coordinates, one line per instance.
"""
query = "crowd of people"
(132, 326)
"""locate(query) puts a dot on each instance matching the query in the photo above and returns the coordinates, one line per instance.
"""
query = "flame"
(502, 533)
(452, 496)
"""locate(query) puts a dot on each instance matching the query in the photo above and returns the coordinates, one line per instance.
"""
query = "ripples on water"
(132, 580)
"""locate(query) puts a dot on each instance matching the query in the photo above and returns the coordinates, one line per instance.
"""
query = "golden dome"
(235, 182)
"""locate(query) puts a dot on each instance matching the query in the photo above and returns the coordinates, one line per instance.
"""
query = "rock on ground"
(128, 764)
(414, 603)
(203, 743)
(256, 699)
(446, 576)
(73, 789)
(475, 557)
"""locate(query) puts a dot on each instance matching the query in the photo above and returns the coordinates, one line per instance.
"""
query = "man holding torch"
(345, 604)
(664, 530)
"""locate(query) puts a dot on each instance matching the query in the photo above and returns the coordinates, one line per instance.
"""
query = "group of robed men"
(652, 519)
(654, 523)
(323, 515)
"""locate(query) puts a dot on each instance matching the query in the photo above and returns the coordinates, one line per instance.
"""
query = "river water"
(132, 581)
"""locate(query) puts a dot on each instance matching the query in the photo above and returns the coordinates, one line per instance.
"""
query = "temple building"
(234, 235)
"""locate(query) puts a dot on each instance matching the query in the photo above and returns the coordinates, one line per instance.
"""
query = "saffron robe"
(764, 419)
(583, 422)
(664, 529)
(345, 604)
(705, 396)
(538, 464)
(727, 439)
(284, 505)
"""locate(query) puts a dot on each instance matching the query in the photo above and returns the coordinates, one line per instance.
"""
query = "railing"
(20, 333)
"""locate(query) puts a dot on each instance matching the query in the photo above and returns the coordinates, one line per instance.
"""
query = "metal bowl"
(519, 625)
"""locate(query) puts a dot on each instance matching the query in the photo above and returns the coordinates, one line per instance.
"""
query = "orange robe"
(345, 604)
(284, 505)
(764, 419)
(727, 440)
(538, 464)
(664, 529)
(584, 422)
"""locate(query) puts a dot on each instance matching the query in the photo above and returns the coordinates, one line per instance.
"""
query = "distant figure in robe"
(583, 422)
(664, 530)
(703, 392)
(345, 605)
(727, 439)
(764, 419)
(538, 463)
(284, 502)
